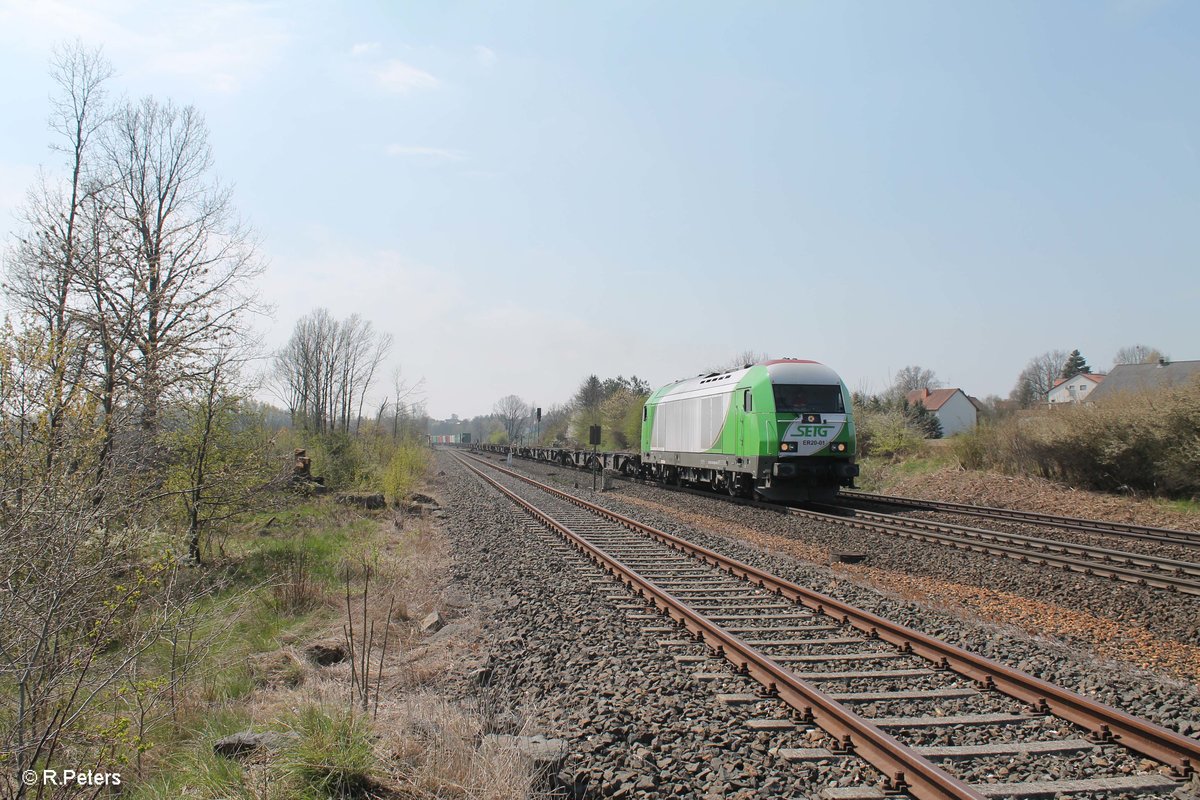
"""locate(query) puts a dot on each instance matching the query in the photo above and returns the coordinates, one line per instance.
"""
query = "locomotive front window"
(800, 399)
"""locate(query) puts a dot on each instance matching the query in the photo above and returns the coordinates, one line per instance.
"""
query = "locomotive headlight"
(838, 447)
(787, 447)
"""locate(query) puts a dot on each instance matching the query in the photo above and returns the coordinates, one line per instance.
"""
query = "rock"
(456, 597)
(371, 502)
(240, 744)
(325, 654)
(432, 623)
(546, 755)
(447, 632)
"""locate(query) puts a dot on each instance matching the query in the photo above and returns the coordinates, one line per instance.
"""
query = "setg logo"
(809, 437)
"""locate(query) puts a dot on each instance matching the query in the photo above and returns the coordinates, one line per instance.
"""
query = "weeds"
(360, 648)
(296, 591)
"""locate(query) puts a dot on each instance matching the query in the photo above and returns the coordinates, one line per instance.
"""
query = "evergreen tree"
(923, 420)
(1076, 365)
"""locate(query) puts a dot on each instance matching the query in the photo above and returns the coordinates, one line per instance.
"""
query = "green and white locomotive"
(782, 430)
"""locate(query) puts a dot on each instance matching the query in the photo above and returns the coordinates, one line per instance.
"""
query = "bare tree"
(1138, 354)
(1038, 377)
(42, 272)
(325, 370)
(514, 415)
(742, 359)
(914, 377)
(190, 259)
(220, 453)
(405, 400)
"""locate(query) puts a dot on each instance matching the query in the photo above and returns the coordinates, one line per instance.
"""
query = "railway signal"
(594, 441)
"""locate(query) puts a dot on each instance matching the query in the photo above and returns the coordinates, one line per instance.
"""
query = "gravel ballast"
(1151, 694)
(571, 663)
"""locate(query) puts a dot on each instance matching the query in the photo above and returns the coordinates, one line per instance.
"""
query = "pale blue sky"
(527, 192)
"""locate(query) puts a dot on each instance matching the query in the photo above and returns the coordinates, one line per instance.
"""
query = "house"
(1073, 390)
(952, 407)
(1126, 378)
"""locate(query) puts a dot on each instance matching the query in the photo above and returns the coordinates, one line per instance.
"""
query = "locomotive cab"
(813, 441)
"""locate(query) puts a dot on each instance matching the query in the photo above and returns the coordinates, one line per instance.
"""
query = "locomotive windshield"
(801, 399)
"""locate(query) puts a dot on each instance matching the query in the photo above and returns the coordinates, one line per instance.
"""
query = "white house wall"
(956, 414)
(1075, 390)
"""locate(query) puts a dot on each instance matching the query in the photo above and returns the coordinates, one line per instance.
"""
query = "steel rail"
(1083, 567)
(1156, 580)
(1128, 529)
(903, 768)
(1038, 543)
(1104, 723)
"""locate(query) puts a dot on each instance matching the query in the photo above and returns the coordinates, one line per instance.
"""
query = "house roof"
(932, 399)
(1142, 377)
(1094, 378)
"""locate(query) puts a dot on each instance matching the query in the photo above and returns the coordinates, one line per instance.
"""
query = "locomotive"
(782, 429)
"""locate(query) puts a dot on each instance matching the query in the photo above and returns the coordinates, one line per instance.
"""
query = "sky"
(526, 193)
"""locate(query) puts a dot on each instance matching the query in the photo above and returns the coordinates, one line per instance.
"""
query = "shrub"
(338, 458)
(404, 470)
(1138, 441)
(886, 434)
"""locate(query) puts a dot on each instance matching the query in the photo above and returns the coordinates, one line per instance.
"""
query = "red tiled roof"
(932, 399)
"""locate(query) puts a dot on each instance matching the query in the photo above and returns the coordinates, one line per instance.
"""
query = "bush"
(1138, 441)
(886, 434)
(404, 470)
(338, 458)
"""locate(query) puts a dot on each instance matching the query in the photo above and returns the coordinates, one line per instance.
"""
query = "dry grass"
(435, 754)
(425, 746)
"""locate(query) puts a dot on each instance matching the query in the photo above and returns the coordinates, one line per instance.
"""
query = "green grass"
(880, 474)
(193, 769)
(1182, 506)
(333, 758)
(240, 620)
(923, 464)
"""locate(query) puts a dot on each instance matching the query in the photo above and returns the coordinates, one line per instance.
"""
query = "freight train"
(781, 430)
(450, 438)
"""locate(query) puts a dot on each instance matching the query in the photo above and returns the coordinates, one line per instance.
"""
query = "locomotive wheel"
(733, 484)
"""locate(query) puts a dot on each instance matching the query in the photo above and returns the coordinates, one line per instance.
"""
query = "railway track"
(1123, 529)
(1118, 566)
(842, 668)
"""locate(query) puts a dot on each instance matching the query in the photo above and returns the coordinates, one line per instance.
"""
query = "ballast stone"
(546, 754)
